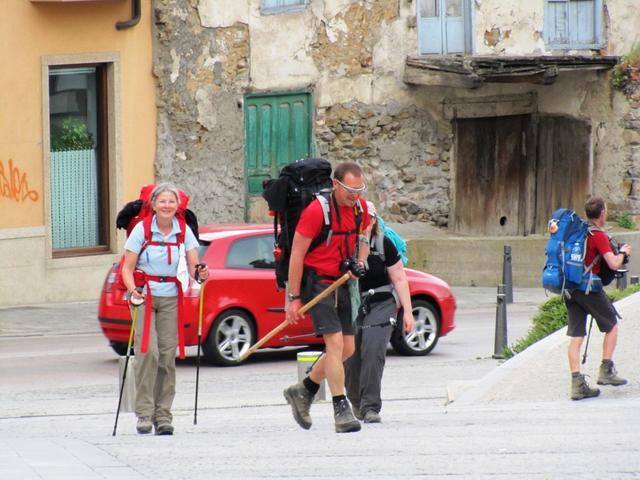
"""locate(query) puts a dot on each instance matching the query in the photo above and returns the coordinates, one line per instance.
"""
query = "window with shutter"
(444, 26)
(573, 24)
(268, 7)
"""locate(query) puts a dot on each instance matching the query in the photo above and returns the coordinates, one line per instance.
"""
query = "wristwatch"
(291, 297)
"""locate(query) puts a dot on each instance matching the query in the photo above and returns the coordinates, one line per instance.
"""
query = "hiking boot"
(580, 388)
(163, 427)
(343, 416)
(608, 375)
(144, 425)
(356, 412)
(300, 400)
(372, 417)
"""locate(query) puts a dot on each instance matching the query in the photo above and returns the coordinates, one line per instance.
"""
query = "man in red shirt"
(311, 272)
(598, 305)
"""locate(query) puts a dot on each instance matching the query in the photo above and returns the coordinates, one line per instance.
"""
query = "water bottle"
(576, 254)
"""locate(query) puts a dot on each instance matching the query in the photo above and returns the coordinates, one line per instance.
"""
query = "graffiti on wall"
(14, 184)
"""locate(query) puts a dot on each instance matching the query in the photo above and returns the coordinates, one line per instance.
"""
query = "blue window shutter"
(582, 22)
(573, 23)
(455, 25)
(557, 22)
(273, 4)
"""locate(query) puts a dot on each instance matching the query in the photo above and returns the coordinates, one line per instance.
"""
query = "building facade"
(77, 138)
(477, 115)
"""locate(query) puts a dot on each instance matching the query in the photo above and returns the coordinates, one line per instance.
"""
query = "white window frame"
(598, 30)
(269, 10)
(112, 62)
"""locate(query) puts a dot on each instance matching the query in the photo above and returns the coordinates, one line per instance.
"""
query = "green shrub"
(71, 135)
(552, 316)
(625, 221)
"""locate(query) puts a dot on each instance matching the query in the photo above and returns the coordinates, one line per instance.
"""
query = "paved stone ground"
(516, 422)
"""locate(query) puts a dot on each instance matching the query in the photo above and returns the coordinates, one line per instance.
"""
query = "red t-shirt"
(326, 259)
(598, 243)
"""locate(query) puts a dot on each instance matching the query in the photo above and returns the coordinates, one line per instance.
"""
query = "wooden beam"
(494, 106)
(423, 76)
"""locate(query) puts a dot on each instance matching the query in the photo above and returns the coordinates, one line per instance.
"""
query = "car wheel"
(119, 347)
(231, 334)
(424, 337)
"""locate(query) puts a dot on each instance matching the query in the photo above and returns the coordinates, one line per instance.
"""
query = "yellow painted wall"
(29, 30)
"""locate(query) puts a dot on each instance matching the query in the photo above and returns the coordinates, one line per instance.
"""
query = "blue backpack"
(565, 250)
(397, 240)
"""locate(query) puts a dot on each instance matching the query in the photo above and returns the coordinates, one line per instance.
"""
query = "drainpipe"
(135, 16)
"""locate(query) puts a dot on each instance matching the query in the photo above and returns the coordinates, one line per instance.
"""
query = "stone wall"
(201, 73)
(631, 150)
(403, 153)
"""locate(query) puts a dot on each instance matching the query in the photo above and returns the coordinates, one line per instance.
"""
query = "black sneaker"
(343, 416)
(300, 400)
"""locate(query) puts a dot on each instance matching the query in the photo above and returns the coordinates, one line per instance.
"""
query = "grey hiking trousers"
(363, 370)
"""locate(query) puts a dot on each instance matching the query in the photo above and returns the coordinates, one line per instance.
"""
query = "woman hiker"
(153, 263)
(382, 288)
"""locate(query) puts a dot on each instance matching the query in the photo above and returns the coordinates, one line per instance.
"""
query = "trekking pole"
(586, 347)
(200, 309)
(134, 317)
(305, 308)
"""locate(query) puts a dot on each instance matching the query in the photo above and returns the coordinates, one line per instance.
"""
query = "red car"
(242, 305)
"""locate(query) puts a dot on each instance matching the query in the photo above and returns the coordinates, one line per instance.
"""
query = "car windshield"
(251, 252)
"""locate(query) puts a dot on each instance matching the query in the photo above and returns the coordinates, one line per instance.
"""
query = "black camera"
(351, 265)
(617, 247)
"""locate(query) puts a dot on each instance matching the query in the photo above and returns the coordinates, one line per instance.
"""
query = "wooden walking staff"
(305, 308)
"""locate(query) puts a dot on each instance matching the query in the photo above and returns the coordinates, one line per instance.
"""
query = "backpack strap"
(144, 347)
(378, 243)
(146, 222)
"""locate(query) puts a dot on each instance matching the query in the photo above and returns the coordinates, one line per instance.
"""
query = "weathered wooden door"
(563, 172)
(490, 175)
(512, 172)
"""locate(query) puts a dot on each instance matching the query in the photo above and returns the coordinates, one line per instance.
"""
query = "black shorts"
(597, 305)
(330, 315)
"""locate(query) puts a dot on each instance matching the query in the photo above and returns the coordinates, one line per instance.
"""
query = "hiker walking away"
(312, 271)
(580, 304)
(154, 264)
(383, 288)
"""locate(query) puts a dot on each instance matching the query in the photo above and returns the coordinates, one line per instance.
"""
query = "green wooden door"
(277, 132)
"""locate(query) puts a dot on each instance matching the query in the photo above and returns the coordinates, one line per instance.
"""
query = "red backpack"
(138, 211)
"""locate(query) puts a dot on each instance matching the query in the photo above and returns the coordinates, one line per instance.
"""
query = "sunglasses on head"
(358, 190)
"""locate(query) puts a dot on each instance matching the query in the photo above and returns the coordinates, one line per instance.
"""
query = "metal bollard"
(305, 363)
(501, 323)
(621, 279)
(129, 392)
(634, 279)
(507, 277)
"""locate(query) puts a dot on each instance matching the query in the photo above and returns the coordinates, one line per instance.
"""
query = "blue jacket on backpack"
(397, 240)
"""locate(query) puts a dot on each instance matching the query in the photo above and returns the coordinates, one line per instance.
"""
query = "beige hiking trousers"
(156, 369)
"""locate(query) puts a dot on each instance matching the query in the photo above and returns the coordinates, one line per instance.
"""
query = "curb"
(479, 388)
